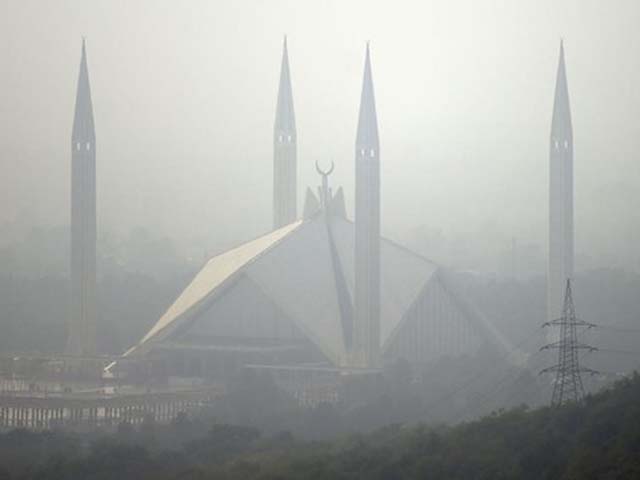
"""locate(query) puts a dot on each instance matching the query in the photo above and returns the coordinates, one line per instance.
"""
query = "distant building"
(317, 297)
(286, 298)
(81, 336)
(560, 196)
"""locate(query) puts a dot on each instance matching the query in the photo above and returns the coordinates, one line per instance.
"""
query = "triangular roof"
(306, 270)
(215, 272)
(403, 274)
(296, 267)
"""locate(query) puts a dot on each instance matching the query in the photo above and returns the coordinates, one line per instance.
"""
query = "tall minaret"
(367, 224)
(81, 339)
(560, 196)
(284, 151)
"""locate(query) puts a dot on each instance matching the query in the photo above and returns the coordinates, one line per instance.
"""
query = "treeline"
(599, 439)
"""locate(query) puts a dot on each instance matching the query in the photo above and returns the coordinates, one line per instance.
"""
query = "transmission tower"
(568, 382)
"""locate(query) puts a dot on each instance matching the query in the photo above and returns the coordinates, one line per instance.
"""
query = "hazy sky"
(184, 96)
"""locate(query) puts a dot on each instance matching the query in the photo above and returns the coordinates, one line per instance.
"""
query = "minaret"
(284, 151)
(366, 342)
(560, 196)
(81, 338)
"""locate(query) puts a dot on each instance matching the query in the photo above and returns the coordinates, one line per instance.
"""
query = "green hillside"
(597, 440)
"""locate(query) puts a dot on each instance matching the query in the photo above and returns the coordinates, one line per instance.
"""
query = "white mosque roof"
(294, 267)
(403, 274)
(214, 273)
(299, 278)
(300, 268)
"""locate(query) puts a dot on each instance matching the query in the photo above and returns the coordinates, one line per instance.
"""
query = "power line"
(568, 385)
(486, 398)
(493, 391)
(621, 351)
(463, 386)
(618, 329)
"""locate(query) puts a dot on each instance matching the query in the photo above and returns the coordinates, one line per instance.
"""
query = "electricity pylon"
(568, 382)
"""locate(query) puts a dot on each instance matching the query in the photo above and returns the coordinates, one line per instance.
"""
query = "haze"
(184, 99)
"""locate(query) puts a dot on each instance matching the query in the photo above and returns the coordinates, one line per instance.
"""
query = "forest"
(599, 439)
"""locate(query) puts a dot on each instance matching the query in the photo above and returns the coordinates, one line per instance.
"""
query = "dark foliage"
(597, 440)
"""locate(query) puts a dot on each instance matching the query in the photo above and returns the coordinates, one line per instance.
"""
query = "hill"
(599, 439)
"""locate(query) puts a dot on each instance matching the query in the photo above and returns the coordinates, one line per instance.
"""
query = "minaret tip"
(284, 138)
(83, 54)
(83, 127)
(367, 132)
(285, 117)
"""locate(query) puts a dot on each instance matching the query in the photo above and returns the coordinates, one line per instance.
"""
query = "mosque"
(319, 298)
(320, 295)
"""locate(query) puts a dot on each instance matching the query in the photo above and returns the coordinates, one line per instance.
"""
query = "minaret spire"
(83, 126)
(284, 150)
(366, 344)
(561, 120)
(561, 233)
(81, 337)
(367, 119)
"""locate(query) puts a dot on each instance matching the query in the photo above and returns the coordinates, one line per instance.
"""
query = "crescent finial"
(328, 172)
